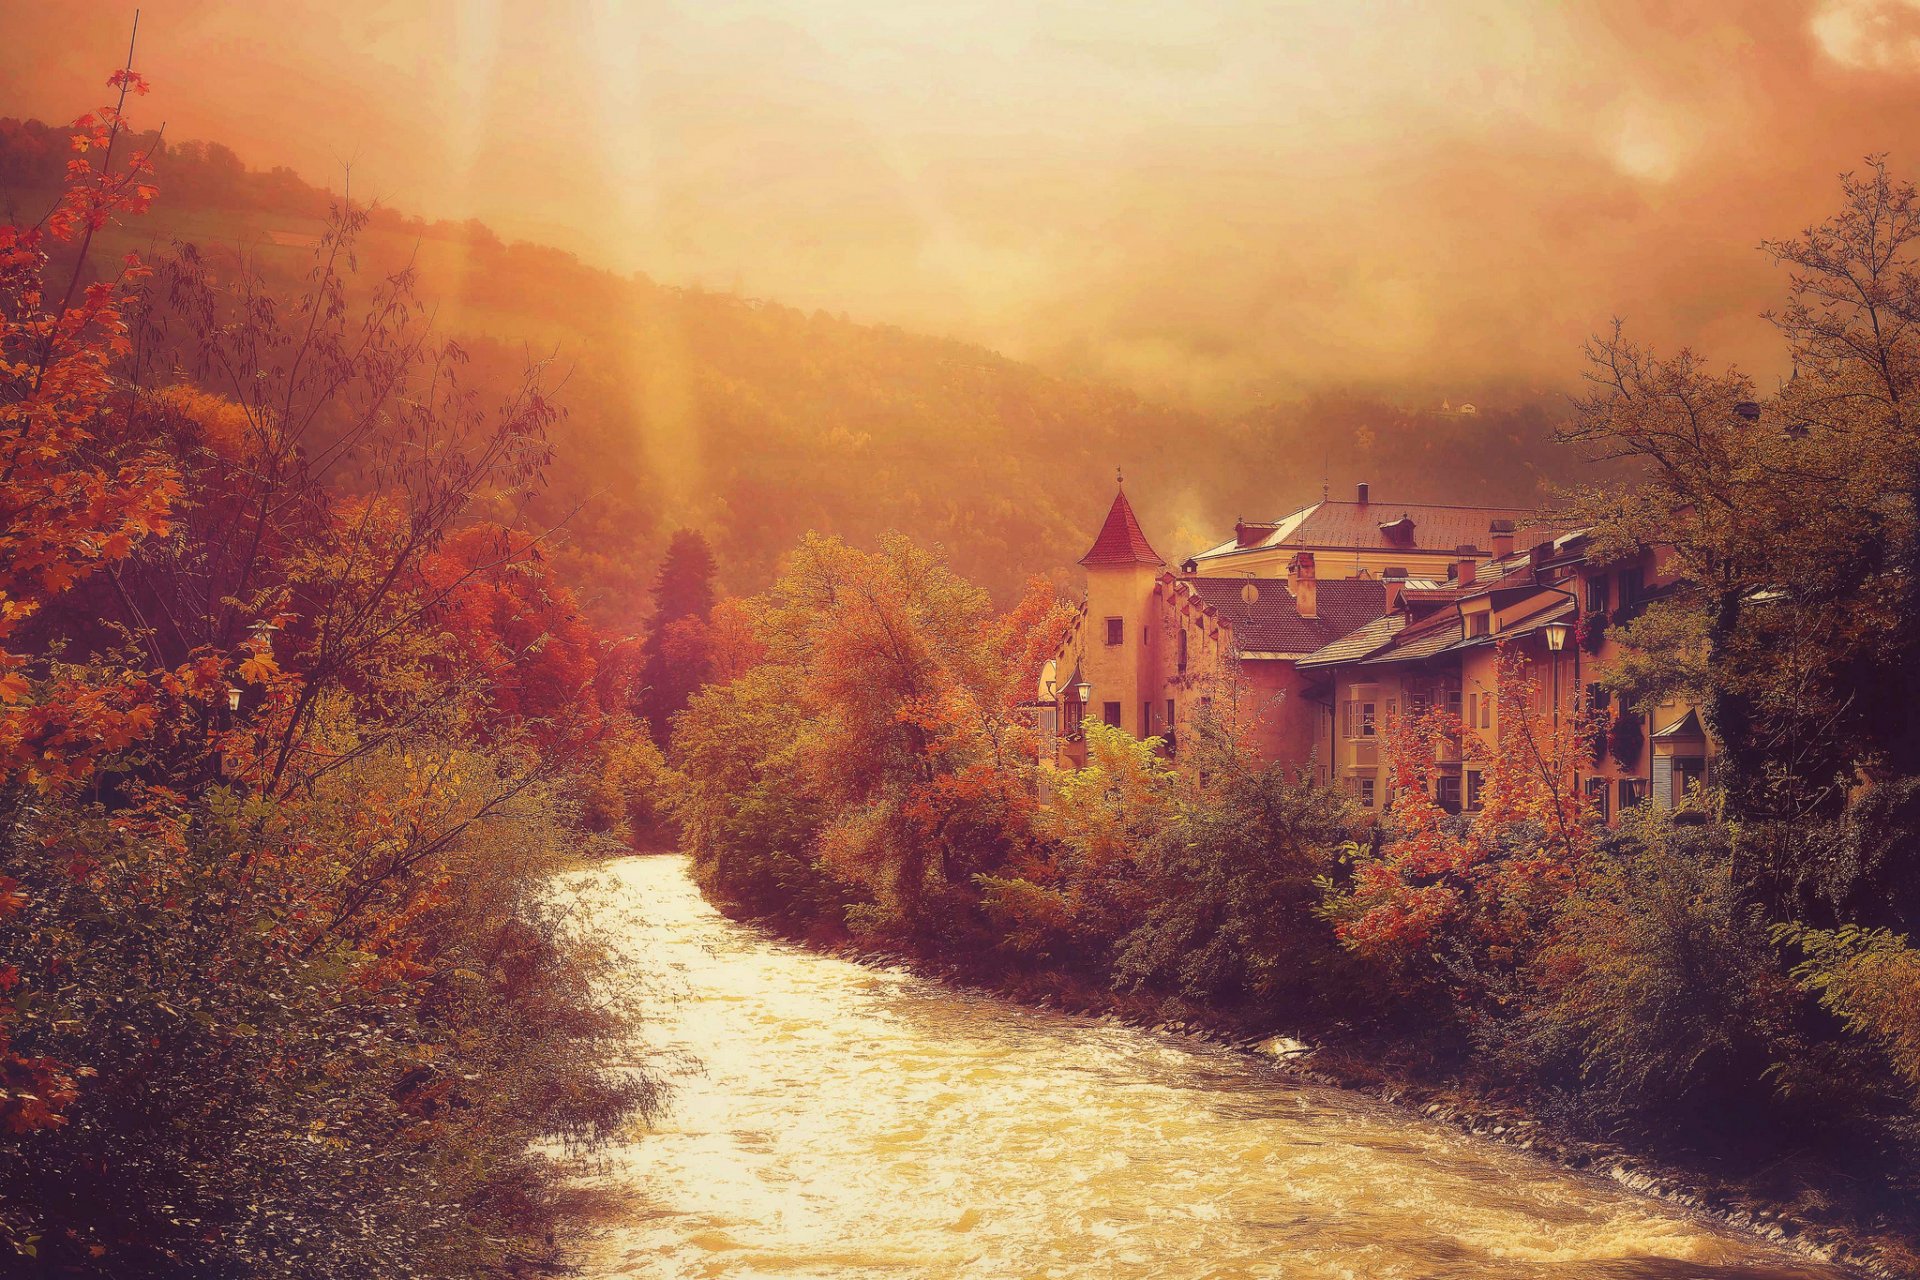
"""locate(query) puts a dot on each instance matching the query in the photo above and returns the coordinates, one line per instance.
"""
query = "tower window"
(1116, 630)
(1110, 714)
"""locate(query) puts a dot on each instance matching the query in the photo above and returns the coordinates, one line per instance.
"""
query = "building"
(1152, 646)
(1319, 631)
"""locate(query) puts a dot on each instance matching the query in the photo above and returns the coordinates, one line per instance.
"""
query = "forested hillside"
(757, 422)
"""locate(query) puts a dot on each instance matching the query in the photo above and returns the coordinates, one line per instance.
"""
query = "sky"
(1216, 201)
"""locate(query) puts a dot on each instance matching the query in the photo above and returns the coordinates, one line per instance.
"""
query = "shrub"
(1232, 892)
(1870, 979)
(1659, 991)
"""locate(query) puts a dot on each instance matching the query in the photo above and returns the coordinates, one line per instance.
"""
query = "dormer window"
(1479, 624)
(1399, 532)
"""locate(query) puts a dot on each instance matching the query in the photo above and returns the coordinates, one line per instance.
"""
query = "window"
(1689, 772)
(1480, 624)
(1360, 721)
(1366, 788)
(1473, 710)
(1116, 631)
(1597, 797)
(1446, 792)
(1632, 792)
(1183, 651)
(1597, 593)
(1418, 704)
(1631, 585)
(1451, 700)
(1599, 697)
(1146, 718)
(1473, 790)
(1110, 714)
(1486, 711)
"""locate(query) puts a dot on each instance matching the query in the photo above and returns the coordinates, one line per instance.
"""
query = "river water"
(830, 1120)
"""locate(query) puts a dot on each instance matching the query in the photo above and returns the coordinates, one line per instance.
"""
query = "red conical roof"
(1120, 541)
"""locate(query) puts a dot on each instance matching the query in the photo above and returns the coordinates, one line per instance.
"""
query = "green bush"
(1658, 993)
(1233, 889)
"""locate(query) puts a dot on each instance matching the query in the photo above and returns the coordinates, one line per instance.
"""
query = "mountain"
(757, 422)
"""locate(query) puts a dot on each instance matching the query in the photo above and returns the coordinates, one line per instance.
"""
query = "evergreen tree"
(677, 661)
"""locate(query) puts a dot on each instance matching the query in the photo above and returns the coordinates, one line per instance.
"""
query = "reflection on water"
(836, 1121)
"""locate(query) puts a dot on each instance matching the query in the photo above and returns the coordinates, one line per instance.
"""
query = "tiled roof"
(1356, 644)
(1272, 623)
(1421, 640)
(1349, 525)
(1120, 542)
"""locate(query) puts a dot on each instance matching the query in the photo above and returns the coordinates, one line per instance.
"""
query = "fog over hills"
(757, 421)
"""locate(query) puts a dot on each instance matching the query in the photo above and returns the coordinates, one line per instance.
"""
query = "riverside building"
(1316, 632)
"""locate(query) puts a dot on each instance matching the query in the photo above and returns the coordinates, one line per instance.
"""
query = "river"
(831, 1120)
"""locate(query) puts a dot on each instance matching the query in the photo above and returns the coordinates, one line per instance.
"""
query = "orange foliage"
(1489, 875)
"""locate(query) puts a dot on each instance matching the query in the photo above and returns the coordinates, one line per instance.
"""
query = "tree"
(677, 658)
(880, 734)
(1792, 517)
(282, 988)
(1085, 886)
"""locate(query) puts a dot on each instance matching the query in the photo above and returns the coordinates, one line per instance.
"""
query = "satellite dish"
(1250, 593)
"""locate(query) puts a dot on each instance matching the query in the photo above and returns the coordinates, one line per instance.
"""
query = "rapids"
(832, 1120)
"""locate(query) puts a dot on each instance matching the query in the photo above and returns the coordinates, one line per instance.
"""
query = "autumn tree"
(1479, 883)
(879, 742)
(286, 730)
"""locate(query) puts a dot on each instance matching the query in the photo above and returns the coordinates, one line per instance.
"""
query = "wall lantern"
(1557, 633)
(1084, 692)
(233, 697)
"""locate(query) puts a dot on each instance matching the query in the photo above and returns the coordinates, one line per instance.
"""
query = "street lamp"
(233, 697)
(1083, 692)
(1556, 641)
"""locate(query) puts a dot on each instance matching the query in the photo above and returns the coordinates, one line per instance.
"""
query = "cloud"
(1218, 201)
(1879, 35)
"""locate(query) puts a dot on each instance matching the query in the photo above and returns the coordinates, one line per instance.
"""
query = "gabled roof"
(1272, 623)
(1121, 541)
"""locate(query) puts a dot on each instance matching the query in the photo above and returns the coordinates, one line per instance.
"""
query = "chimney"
(1394, 578)
(1465, 567)
(1305, 588)
(1501, 532)
(1363, 493)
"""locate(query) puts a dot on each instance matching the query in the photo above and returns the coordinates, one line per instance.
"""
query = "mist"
(1218, 205)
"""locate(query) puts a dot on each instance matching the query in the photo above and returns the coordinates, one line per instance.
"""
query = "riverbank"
(1808, 1210)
